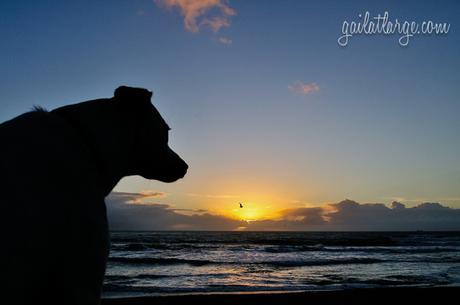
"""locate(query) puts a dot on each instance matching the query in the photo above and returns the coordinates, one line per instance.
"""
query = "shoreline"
(385, 295)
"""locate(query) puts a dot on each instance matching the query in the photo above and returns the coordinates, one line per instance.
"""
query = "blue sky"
(383, 125)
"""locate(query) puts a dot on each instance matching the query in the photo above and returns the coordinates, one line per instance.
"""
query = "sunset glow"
(249, 213)
(264, 105)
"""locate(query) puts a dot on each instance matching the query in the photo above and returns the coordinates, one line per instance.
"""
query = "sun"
(250, 212)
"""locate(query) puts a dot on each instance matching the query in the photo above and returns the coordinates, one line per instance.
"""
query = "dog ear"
(132, 95)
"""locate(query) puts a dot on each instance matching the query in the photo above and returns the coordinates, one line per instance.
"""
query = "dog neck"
(103, 151)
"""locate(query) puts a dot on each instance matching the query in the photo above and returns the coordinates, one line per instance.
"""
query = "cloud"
(346, 215)
(397, 205)
(125, 216)
(214, 14)
(137, 198)
(303, 88)
(296, 219)
(350, 215)
(225, 40)
(152, 194)
(312, 216)
(215, 196)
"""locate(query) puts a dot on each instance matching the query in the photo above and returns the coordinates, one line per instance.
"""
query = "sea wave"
(395, 250)
(176, 262)
(280, 263)
(158, 261)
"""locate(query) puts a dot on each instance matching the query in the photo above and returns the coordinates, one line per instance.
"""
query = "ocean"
(157, 263)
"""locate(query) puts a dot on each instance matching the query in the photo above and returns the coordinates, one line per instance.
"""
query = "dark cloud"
(127, 212)
(294, 220)
(350, 215)
(306, 215)
(397, 205)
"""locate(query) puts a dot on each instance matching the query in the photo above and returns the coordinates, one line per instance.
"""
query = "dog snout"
(180, 167)
(177, 165)
(183, 168)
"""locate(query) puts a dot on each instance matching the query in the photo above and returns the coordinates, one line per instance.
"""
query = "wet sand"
(368, 296)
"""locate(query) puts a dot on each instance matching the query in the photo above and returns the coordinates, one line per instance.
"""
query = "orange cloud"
(214, 14)
(137, 198)
(152, 194)
(303, 88)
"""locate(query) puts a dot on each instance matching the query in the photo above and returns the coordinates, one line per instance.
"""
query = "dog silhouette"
(56, 169)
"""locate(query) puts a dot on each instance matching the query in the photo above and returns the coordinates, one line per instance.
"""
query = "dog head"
(154, 159)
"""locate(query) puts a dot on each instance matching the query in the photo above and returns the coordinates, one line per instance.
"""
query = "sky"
(264, 104)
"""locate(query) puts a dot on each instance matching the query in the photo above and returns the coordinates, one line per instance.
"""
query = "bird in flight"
(241, 205)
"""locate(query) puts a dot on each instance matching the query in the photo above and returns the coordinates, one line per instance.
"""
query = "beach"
(368, 296)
